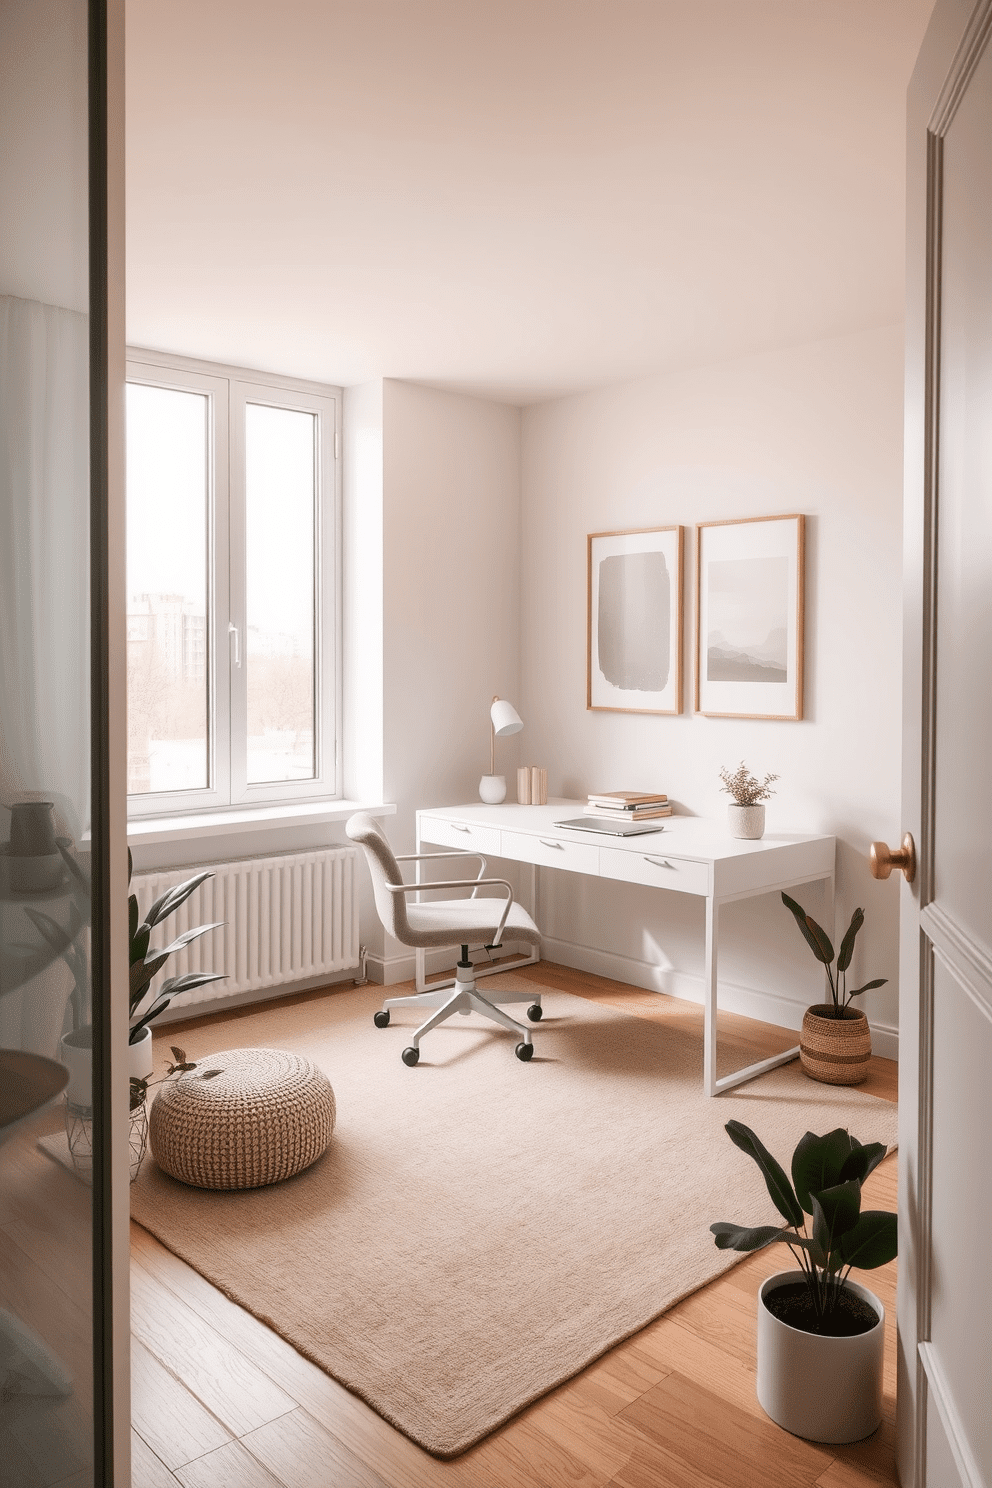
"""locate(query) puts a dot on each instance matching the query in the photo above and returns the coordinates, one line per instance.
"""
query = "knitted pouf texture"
(268, 1115)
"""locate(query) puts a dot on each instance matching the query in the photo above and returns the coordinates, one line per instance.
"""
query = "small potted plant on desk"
(835, 1043)
(746, 816)
(820, 1335)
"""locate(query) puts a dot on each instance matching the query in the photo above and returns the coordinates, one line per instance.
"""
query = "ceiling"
(519, 200)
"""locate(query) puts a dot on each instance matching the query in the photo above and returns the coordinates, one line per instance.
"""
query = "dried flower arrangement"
(745, 789)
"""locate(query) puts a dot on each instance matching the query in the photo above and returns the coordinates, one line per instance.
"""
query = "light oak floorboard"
(147, 1470)
(672, 1407)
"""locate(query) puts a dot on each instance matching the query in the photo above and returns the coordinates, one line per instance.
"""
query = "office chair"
(446, 922)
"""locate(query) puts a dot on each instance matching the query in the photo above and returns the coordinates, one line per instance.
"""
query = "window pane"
(167, 671)
(280, 521)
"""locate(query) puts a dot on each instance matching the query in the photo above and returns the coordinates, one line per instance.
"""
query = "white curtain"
(44, 559)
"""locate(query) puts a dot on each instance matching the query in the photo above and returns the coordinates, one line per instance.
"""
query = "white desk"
(691, 855)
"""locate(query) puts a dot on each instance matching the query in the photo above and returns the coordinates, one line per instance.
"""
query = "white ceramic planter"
(747, 822)
(140, 1062)
(492, 789)
(76, 1053)
(823, 1389)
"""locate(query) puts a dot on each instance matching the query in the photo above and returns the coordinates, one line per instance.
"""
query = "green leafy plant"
(827, 1174)
(146, 962)
(182, 1066)
(745, 788)
(819, 943)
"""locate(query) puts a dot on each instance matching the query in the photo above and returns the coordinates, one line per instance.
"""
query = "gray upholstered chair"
(475, 921)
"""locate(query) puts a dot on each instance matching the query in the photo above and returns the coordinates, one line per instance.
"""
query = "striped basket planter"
(836, 1051)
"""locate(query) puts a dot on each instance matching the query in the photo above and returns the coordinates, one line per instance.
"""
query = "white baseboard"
(736, 999)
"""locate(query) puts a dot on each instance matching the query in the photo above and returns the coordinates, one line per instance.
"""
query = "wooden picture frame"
(749, 612)
(634, 621)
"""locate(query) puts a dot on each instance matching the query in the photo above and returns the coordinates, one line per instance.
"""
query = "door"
(63, 895)
(945, 1300)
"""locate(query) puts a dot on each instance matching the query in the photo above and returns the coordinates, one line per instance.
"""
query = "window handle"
(234, 636)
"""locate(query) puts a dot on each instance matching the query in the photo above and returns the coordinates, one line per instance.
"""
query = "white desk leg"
(709, 1025)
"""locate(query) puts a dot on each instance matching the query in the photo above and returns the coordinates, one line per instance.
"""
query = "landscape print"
(747, 636)
(749, 617)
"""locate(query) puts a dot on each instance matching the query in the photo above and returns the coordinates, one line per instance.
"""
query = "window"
(231, 587)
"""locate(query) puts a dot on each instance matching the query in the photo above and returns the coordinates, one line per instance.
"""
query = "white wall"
(815, 429)
(43, 196)
(451, 593)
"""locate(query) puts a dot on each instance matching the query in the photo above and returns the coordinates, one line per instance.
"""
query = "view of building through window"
(280, 530)
(167, 668)
(230, 577)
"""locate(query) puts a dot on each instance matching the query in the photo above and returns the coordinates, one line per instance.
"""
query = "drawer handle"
(559, 845)
(459, 828)
(658, 862)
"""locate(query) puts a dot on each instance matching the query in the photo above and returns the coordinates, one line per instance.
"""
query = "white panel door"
(945, 1303)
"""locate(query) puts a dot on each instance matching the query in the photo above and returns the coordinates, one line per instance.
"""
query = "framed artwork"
(634, 628)
(749, 618)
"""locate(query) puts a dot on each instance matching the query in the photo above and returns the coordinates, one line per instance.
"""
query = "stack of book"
(628, 805)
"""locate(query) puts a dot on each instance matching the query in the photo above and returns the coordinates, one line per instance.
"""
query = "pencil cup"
(538, 786)
(523, 785)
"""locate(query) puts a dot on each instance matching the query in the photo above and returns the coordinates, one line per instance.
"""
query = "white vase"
(140, 1062)
(747, 822)
(492, 789)
(76, 1053)
(823, 1389)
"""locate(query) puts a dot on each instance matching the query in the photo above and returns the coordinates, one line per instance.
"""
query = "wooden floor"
(221, 1402)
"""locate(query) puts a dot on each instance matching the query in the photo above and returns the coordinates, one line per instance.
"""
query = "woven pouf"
(268, 1115)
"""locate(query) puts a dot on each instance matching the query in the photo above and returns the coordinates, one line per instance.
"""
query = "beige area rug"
(481, 1229)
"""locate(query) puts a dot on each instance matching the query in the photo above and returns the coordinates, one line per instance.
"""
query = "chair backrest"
(384, 869)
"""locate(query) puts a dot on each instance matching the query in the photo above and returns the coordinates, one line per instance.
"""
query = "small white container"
(823, 1389)
(492, 789)
(747, 822)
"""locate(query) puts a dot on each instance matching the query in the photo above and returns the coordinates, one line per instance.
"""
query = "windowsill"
(149, 830)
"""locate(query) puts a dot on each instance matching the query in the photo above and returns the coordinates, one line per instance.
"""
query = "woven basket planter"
(836, 1051)
(267, 1116)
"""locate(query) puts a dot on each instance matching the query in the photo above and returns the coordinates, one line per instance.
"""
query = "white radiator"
(286, 919)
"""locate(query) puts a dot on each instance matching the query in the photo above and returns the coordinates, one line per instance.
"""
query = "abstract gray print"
(634, 630)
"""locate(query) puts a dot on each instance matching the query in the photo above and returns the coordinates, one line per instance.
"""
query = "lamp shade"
(506, 719)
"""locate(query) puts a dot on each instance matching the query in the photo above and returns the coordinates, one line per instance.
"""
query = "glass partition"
(46, 1098)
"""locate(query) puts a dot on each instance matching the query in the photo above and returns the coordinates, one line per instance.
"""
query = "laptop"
(611, 828)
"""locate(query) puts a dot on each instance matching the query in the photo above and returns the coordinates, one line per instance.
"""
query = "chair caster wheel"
(381, 1018)
(534, 1012)
(523, 1051)
(411, 1056)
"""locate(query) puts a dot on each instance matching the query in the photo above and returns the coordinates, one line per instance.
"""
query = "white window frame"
(228, 390)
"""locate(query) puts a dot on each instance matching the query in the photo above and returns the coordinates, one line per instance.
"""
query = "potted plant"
(746, 816)
(820, 1335)
(835, 1043)
(146, 962)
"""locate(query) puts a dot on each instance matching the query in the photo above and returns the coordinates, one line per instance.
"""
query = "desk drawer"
(469, 836)
(578, 857)
(655, 868)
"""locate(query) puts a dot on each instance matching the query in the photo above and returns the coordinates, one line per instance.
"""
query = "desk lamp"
(505, 721)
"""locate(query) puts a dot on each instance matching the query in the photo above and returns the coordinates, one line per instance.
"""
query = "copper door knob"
(882, 859)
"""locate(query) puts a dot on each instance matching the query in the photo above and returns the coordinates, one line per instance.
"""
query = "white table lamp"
(505, 721)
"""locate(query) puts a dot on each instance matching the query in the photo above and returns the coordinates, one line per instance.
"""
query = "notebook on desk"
(611, 828)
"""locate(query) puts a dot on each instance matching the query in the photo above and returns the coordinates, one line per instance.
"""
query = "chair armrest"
(428, 857)
(463, 883)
